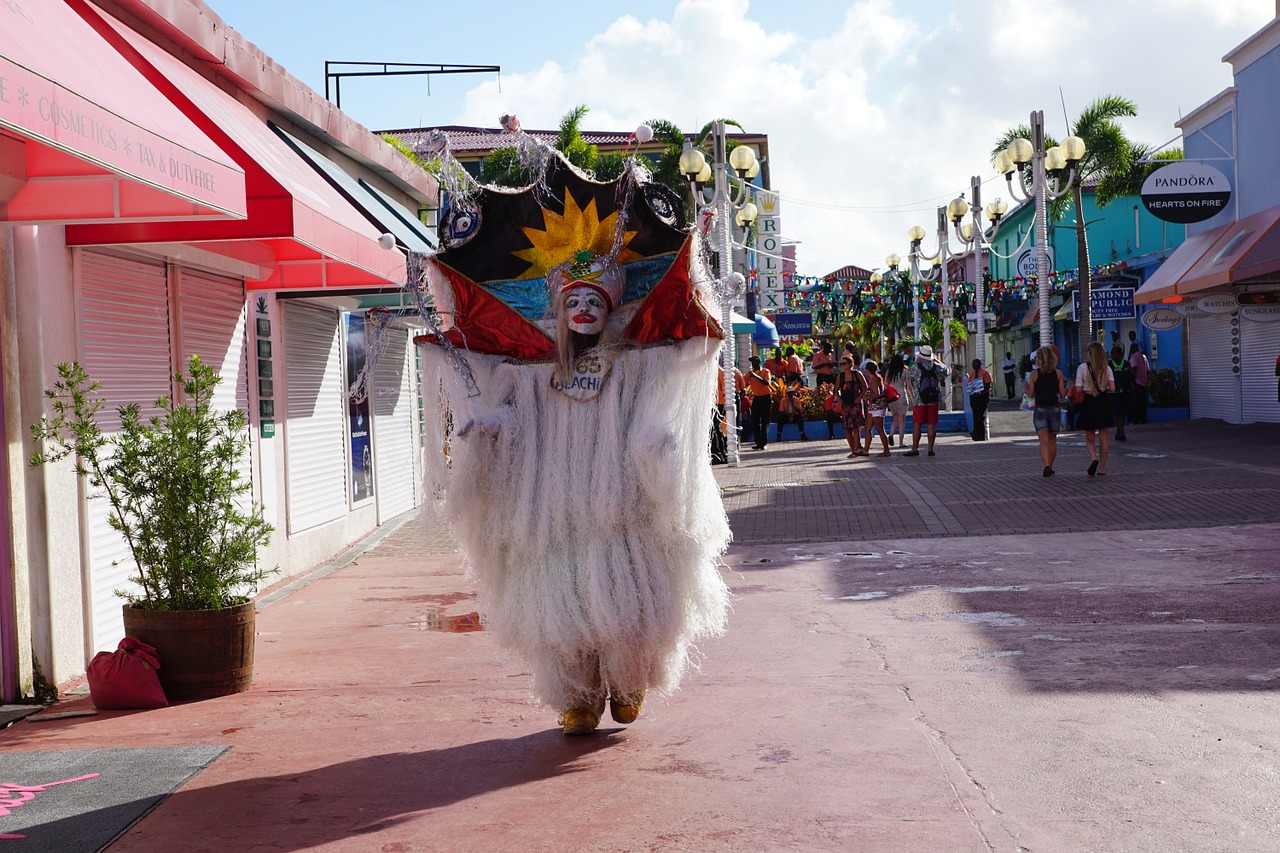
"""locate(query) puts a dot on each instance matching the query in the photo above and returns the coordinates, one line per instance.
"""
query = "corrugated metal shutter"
(125, 323)
(314, 428)
(1259, 347)
(1214, 386)
(394, 412)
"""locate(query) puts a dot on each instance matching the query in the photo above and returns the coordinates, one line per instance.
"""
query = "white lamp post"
(939, 259)
(972, 235)
(729, 196)
(1047, 184)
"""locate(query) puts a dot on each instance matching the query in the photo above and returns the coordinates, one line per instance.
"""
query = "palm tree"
(502, 166)
(1109, 164)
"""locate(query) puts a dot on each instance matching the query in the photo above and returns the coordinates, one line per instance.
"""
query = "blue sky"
(877, 111)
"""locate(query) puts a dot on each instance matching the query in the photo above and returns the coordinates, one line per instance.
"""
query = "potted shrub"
(182, 506)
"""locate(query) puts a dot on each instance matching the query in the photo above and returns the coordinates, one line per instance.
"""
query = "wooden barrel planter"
(203, 653)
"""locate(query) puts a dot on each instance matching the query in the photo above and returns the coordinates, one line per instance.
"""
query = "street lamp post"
(1047, 184)
(939, 258)
(730, 196)
(973, 237)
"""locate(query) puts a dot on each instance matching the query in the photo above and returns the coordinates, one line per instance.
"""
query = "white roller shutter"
(211, 316)
(125, 347)
(314, 429)
(1214, 385)
(394, 412)
(1259, 347)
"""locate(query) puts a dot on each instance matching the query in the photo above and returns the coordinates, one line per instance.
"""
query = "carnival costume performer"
(576, 363)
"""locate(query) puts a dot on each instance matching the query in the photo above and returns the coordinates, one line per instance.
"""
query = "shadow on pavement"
(309, 810)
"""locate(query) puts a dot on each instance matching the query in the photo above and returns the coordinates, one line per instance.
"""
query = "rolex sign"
(1185, 191)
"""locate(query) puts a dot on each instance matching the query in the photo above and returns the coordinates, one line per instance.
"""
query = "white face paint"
(585, 310)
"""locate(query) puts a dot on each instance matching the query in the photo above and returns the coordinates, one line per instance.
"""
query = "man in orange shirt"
(758, 386)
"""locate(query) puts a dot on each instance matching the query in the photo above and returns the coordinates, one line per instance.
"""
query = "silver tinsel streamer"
(416, 273)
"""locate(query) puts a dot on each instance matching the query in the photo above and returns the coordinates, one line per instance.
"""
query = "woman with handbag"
(1095, 381)
(851, 387)
(1048, 386)
(978, 386)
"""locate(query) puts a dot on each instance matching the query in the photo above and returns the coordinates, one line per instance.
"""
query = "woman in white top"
(1095, 378)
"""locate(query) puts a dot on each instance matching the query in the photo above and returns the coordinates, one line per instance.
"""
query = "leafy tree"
(1109, 163)
(502, 168)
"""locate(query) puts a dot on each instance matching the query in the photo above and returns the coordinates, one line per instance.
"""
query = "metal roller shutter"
(314, 430)
(394, 410)
(126, 348)
(1259, 347)
(211, 317)
(1214, 386)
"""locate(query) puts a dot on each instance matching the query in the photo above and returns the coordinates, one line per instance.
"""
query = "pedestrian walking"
(895, 378)
(1047, 387)
(877, 406)
(1120, 397)
(852, 387)
(1010, 368)
(1095, 379)
(1138, 365)
(760, 387)
(926, 378)
(978, 386)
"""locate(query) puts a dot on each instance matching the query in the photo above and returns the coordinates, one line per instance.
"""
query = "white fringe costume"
(592, 528)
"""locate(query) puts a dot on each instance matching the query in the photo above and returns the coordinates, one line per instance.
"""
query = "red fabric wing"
(671, 311)
(484, 323)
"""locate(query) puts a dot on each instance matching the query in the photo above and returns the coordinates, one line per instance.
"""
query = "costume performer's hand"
(486, 426)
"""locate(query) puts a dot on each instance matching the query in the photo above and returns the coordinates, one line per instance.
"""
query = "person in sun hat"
(928, 381)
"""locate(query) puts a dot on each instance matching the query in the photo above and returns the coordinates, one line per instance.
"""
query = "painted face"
(585, 310)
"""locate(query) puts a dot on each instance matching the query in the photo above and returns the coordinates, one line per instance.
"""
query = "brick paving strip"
(1174, 475)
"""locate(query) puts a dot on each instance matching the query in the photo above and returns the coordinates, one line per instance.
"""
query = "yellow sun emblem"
(561, 237)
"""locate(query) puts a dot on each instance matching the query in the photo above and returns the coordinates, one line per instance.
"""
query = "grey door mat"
(80, 800)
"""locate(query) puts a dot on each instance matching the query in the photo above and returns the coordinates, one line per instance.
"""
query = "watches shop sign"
(1185, 191)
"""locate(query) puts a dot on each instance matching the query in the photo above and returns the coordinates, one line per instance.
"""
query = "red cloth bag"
(126, 679)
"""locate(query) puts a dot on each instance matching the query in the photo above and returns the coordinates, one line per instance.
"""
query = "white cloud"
(892, 110)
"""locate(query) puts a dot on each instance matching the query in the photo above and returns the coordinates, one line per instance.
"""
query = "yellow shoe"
(626, 712)
(580, 721)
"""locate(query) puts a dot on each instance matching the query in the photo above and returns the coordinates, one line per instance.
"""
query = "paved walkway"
(1188, 474)
(888, 684)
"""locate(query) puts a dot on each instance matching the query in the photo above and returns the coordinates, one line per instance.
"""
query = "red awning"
(1163, 283)
(1246, 249)
(1032, 317)
(1231, 253)
(85, 138)
(318, 239)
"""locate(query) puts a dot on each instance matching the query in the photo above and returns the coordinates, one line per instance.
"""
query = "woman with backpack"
(1095, 379)
(1047, 386)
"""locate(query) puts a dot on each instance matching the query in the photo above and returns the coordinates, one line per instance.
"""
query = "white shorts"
(877, 413)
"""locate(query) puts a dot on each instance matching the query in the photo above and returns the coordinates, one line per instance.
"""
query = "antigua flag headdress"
(506, 253)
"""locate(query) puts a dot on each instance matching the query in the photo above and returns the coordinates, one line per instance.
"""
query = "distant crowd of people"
(1108, 391)
(859, 394)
